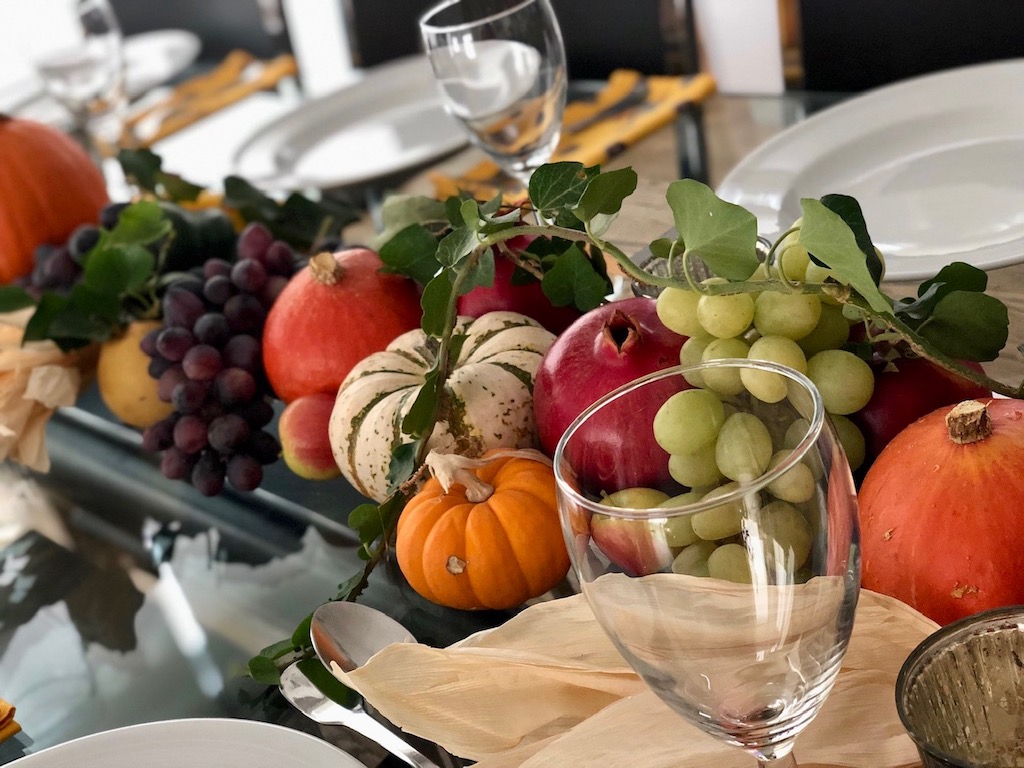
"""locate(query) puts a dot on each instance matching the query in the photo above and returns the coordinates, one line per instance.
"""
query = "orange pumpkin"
(491, 540)
(48, 186)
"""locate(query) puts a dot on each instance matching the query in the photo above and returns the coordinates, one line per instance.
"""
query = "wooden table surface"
(734, 127)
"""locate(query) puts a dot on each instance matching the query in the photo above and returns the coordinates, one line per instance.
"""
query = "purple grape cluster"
(207, 361)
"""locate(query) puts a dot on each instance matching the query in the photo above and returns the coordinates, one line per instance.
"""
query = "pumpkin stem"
(968, 422)
(325, 268)
(451, 468)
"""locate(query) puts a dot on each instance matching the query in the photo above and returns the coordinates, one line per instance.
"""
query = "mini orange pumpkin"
(492, 539)
(47, 188)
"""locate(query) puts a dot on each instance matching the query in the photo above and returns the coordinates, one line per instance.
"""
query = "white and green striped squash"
(489, 397)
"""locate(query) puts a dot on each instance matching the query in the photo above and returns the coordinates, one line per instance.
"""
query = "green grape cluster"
(804, 331)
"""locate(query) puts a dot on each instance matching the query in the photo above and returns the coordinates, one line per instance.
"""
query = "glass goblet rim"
(815, 427)
(429, 28)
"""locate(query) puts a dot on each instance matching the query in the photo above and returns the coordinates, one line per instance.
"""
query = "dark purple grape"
(218, 289)
(211, 410)
(274, 285)
(60, 270)
(189, 396)
(243, 351)
(244, 472)
(280, 259)
(168, 381)
(263, 447)
(148, 342)
(257, 413)
(213, 329)
(190, 283)
(172, 343)
(190, 433)
(111, 214)
(158, 366)
(253, 241)
(159, 436)
(245, 313)
(175, 464)
(182, 308)
(249, 275)
(202, 362)
(208, 474)
(234, 386)
(83, 240)
(228, 432)
(214, 267)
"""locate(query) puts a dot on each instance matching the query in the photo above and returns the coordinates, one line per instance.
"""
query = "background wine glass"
(76, 48)
(735, 602)
(500, 65)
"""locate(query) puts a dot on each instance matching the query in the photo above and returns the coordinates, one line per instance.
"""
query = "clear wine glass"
(79, 56)
(500, 66)
(727, 571)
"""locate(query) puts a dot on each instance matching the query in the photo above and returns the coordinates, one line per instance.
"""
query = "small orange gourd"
(483, 533)
(48, 186)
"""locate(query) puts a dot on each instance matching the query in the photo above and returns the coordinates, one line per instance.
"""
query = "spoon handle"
(363, 723)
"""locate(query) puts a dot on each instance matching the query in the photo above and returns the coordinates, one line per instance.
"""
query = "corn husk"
(547, 689)
(35, 379)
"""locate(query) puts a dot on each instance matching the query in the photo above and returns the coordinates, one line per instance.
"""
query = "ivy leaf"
(412, 252)
(401, 211)
(420, 417)
(139, 224)
(605, 193)
(264, 670)
(349, 585)
(456, 245)
(13, 298)
(145, 168)
(366, 520)
(403, 463)
(436, 297)
(968, 325)
(300, 637)
(572, 280)
(50, 305)
(328, 684)
(830, 239)
(558, 187)
(481, 273)
(724, 235)
(957, 276)
(848, 209)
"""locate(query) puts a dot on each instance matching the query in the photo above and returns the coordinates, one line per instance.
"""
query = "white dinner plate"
(390, 120)
(153, 58)
(196, 743)
(936, 162)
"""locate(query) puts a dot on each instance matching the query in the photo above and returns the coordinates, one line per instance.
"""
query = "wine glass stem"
(780, 761)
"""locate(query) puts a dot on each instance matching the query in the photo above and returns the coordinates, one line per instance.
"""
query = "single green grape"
(635, 498)
(691, 353)
(725, 381)
(786, 535)
(725, 316)
(744, 447)
(719, 522)
(796, 484)
(792, 257)
(845, 381)
(677, 309)
(852, 440)
(695, 470)
(679, 529)
(767, 386)
(792, 315)
(688, 421)
(693, 560)
(831, 332)
(795, 433)
(730, 562)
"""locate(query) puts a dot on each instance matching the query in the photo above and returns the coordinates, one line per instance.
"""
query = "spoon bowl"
(350, 633)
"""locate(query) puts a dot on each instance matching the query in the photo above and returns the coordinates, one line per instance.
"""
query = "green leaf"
(573, 281)
(107, 271)
(469, 212)
(264, 670)
(849, 211)
(435, 300)
(278, 649)
(420, 417)
(456, 245)
(403, 463)
(50, 305)
(176, 188)
(366, 520)
(139, 224)
(300, 637)
(558, 186)
(349, 585)
(85, 299)
(605, 193)
(140, 166)
(830, 239)
(477, 273)
(724, 235)
(401, 211)
(328, 684)
(957, 276)
(412, 252)
(662, 247)
(13, 298)
(968, 325)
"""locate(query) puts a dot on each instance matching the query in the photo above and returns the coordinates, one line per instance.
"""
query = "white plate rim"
(979, 82)
(245, 736)
(178, 49)
(409, 75)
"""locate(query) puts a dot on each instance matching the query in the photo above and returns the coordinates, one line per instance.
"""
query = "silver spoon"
(350, 633)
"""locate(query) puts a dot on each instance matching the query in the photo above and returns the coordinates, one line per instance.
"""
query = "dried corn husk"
(548, 689)
(35, 380)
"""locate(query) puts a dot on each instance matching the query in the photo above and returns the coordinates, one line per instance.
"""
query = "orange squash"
(940, 511)
(48, 186)
(492, 539)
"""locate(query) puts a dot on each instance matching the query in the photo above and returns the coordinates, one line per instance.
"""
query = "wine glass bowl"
(500, 68)
(729, 580)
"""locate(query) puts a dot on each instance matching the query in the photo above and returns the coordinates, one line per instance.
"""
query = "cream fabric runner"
(547, 689)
